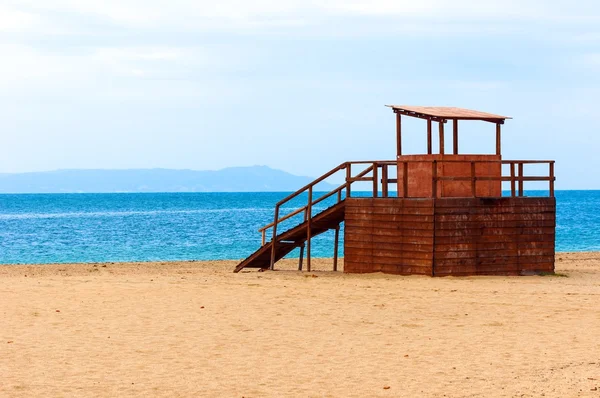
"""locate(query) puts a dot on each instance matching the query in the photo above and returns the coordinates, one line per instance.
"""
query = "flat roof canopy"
(442, 113)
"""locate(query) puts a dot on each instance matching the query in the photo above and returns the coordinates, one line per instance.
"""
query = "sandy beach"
(196, 329)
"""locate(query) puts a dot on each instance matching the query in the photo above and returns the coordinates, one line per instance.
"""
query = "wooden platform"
(450, 236)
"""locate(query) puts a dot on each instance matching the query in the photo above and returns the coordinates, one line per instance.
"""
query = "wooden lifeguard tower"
(449, 216)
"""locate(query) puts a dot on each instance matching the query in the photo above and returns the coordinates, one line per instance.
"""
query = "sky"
(294, 85)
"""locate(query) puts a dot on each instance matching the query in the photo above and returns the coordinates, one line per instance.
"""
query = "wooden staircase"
(295, 237)
(300, 236)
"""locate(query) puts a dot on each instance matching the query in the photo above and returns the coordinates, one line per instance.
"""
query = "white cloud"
(12, 20)
(201, 15)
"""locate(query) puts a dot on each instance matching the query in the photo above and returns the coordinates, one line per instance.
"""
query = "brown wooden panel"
(369, 245)
(535, 252)
(547, 216)
(394, 240)
(403, 218)
(537, 245)
(473, 236)
(369, 223)
(390, 210)
(485, 239)
(497, 231)
(387, 232)
(358, 251)
(402, 254)
(403, 261)
(395, 248)
(390, 202)
(404, 237)
(405, 270)
(494, 210)
(510, 245)
(539, 267)
(459, 225)
(492, 261)
(488, 202)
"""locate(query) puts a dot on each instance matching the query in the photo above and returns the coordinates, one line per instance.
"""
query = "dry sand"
(196, 329)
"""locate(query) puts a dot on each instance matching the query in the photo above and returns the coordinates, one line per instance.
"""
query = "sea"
(87, 228)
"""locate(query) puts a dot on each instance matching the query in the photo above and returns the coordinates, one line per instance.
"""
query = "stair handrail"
(372, 168)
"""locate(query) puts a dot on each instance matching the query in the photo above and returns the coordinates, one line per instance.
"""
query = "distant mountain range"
(233, 179)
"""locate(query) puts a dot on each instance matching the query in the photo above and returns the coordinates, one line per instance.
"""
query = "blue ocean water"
(57, 228)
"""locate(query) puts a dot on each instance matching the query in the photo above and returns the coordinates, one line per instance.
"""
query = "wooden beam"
(348, 179)
(421, 116)
(274, 239)
(551, 179)
(375, 180)
(520, 179)
(335, 247)
(498, 142)
(308, 227)
(429, 151)
(301, 257)
(455, 136)
(398, 134)
(512, 180)
(384, 180)
(441, 138)
(444, 120)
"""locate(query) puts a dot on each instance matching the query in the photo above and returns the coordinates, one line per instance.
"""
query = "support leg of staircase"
(301, 258)
(335, 247)
(308, 227)
(308, 251)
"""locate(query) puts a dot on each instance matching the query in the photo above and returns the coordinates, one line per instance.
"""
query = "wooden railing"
(377, 172)
(516, 175)
(372, 169)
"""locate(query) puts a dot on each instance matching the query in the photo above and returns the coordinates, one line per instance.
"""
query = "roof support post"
(398, 134)
(441, 137)
(429, 151)
(455, 136)
(498, 143)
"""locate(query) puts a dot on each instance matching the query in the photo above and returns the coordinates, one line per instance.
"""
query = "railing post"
(375, 178)
(473, 180)
(308, 227)
(384, 180)
(335, 247)
(442, 150)
(274, 239)
(455, 136)
(264, 237)
(348, 179)
(512, 180)
(521, 179)
(551, 164)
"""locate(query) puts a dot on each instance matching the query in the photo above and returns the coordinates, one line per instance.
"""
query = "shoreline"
(320, 263)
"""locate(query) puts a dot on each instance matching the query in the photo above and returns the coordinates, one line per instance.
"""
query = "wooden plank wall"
(494, 236)
(419, 175)
(454, 236)
(390, 235)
